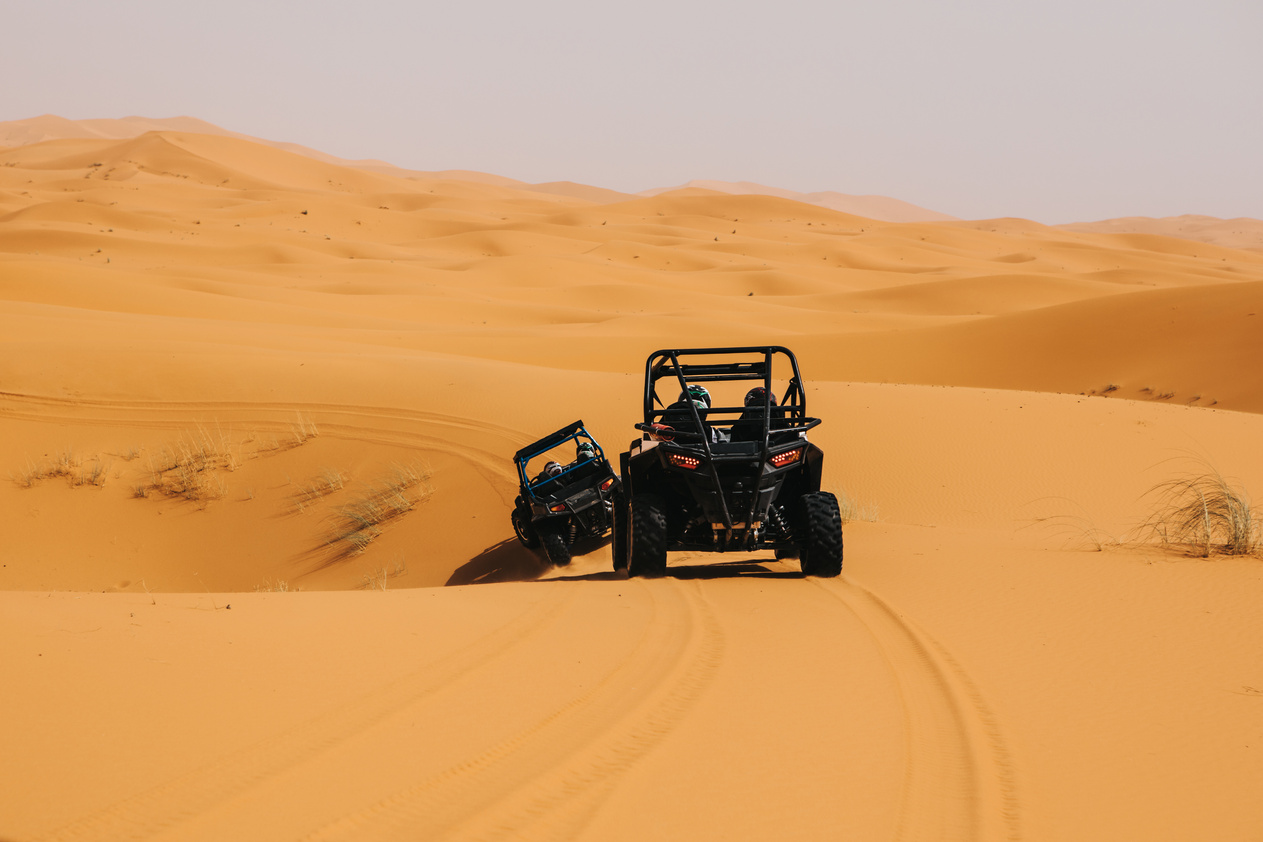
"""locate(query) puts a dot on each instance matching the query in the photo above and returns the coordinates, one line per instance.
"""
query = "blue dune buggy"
(566, 492)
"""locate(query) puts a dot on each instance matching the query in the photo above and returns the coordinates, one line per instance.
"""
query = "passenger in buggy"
(585, 451)
(749, 427)
(551, 470)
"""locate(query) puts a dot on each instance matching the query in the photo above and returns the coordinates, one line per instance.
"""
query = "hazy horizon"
(1059, 113)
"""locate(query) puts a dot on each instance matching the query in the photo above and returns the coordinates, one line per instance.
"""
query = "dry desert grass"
(1203, 513)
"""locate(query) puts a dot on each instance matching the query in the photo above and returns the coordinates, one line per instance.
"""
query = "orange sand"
(198, 657)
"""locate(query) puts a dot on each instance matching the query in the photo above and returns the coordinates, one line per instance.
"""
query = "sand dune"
(1240, 233)
(213, 347)
(874, 207)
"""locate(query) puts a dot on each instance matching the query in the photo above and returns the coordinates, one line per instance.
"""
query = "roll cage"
(571, 432)
(673, 365)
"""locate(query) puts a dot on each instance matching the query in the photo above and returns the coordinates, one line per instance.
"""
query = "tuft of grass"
(361, 522)
(190, 468)
(327, 483)
(379, 577)
(1080, 533)
(94, 473)
(64, 464)
(304, 428)
(31, 475)
(1202, 514)
(301, 431)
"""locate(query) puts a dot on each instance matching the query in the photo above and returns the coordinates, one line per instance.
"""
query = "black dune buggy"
(727, 476)
(570, 499)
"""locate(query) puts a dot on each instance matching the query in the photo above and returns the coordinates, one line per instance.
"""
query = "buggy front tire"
(819, 533)
(647, 538)
(555, 547)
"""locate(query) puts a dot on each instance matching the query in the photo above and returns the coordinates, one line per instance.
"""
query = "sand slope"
(211, 348)
(874, 207)
(1242, 233)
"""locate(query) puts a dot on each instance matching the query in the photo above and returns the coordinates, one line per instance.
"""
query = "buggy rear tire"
(647, 537)
(523, 529)
(819, 533)
(618, 531)
(555, 547)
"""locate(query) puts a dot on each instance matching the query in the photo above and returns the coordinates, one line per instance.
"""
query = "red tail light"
(789, 457)
(557, 507)
(682, 461)
(605, 486)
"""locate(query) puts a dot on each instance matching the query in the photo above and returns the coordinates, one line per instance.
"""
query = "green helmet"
(696, 392)
(585, 450)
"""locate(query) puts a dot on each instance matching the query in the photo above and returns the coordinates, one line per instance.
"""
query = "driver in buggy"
(749, 427)
(551, 470)
(584, 451)
(678, 416)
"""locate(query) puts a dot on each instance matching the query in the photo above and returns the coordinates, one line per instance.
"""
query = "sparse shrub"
(94, 474)
(378, 579)
(1203, 514)
(327, 483)
(301, 431)
(304, 429)
(63, 464)
(1079, 532)
(190, 468)
(359, 523)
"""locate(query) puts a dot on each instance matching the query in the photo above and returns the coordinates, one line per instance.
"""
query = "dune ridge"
(882, 208)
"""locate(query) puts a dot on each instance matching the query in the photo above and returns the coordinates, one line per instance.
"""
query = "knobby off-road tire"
(647, 538)
(523, 529)
(555, 547)
(618, 531)
(819, 534)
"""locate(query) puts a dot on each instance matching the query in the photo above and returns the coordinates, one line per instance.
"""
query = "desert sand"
(212, 346)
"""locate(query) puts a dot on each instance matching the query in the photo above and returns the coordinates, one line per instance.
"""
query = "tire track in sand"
(959, 780)
(462, 437)
(169, 805)
(549, 780)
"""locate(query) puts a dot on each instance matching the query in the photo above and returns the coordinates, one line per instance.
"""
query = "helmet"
(585, 450)
(696, 392)
(553, 469)
(758, 394)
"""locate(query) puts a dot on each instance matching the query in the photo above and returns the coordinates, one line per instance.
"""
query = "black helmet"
(758, 395)
(585, 450)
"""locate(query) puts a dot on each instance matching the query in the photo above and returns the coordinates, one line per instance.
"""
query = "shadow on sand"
(509, 561)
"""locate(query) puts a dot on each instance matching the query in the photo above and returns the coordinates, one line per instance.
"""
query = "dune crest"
(1241, 233)
(881, 208)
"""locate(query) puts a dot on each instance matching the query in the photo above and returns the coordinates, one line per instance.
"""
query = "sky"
(1065, 111)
